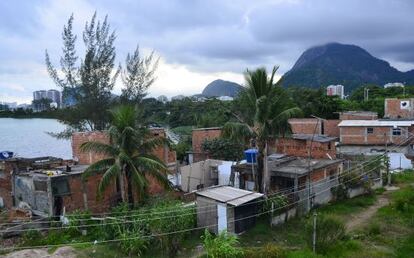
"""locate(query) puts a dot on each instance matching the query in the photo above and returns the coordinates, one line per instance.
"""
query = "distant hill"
(219, 88)
(349, 65)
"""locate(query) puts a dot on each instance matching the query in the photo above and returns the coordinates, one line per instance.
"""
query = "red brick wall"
(380, 136)
(87, 158)
(198, 137)
(357, 116)
(300, 148)
(393, 109)
(304, 125)
(6, 184)
(331, 127)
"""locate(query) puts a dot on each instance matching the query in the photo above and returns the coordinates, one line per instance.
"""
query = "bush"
(222, 246)
(268, 251)
(328, 231)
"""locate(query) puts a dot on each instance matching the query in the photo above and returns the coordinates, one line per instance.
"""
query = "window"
(370, 130)
(396, 131)
(60, 186)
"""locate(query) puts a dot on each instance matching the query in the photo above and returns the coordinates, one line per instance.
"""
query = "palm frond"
(236, 131)
(110, 174)
(139, 180)
(98, 167)
(99, 147)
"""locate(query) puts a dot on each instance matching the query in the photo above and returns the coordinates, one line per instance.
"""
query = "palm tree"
(265, 110)
(127, 156)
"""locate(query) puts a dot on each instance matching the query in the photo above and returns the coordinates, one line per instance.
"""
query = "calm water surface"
(28, 138)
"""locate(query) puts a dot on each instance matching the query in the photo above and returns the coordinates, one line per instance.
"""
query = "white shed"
(227, 208)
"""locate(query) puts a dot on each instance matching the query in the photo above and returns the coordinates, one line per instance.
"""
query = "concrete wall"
(25, 191)
(199, 173)
(283, 217)
(198, 137)
(207, 213)
(392, 108)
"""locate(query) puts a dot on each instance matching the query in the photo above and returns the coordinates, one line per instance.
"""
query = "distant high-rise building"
(54, 95)
(335, 90)
(39, 94)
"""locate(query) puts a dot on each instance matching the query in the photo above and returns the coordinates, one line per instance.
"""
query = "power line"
(283, 191)
(168, 233)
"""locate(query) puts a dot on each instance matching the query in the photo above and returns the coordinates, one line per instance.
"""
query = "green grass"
(407, 176)
(348, 206)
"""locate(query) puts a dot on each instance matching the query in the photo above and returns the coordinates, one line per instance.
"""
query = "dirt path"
(360, 219)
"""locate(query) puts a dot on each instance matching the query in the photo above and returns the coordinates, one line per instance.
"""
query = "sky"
(199, 41)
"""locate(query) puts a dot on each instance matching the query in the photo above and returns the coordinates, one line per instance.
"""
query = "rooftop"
(387, 123)
(315, 138)
(299, 166)
(229, 195)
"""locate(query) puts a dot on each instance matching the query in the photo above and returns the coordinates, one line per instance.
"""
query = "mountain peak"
(220, 87)
(336, 63)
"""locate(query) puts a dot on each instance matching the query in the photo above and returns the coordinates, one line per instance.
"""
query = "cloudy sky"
(199, 41)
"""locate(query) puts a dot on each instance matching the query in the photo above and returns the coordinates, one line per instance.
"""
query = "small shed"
(227, 208)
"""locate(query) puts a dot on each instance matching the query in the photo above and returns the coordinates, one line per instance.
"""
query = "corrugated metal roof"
(231, 195)
(375, 123)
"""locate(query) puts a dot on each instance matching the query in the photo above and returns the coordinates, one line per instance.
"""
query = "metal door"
(221, 216)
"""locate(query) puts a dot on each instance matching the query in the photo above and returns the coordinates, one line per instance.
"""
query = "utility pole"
(314, 232)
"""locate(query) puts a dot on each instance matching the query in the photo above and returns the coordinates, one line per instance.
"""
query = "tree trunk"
(122, 186)
(130, 193)
(266, 174)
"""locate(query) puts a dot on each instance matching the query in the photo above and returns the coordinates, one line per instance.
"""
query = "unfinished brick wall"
(6, 168)
(300, 148)
(355, 115)
(357, 135)
(198, 137)
(87, 158)
(392, 108)
(76, 199)
(331, 127)
(304, 125)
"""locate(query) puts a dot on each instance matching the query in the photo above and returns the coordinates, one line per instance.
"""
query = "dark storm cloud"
(214, 35)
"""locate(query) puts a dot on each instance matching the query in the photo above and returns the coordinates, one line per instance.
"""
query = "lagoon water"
(28, 138)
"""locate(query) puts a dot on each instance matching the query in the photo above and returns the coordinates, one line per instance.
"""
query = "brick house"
(48, 185)
(290, 174)
(199, 135)
(399, 108)
(368, 136)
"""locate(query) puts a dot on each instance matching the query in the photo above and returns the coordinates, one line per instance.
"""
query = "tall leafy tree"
(128, 155)
(138, 75)
(263, 113)
(91, 81)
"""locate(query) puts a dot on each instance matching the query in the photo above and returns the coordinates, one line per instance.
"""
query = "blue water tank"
(251, 155)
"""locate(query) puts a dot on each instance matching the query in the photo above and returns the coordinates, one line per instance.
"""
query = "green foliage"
(404, 200)
(407, 176)
(268, 251)
(224, 245)
(278, 202)
(128, 155)
(180, 219)
(223, 149)
(329, 230)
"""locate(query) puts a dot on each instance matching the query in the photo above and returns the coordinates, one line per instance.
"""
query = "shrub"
(279, 202)
(374, 229)
(132, 240)
(222, 246)
(329, 230)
